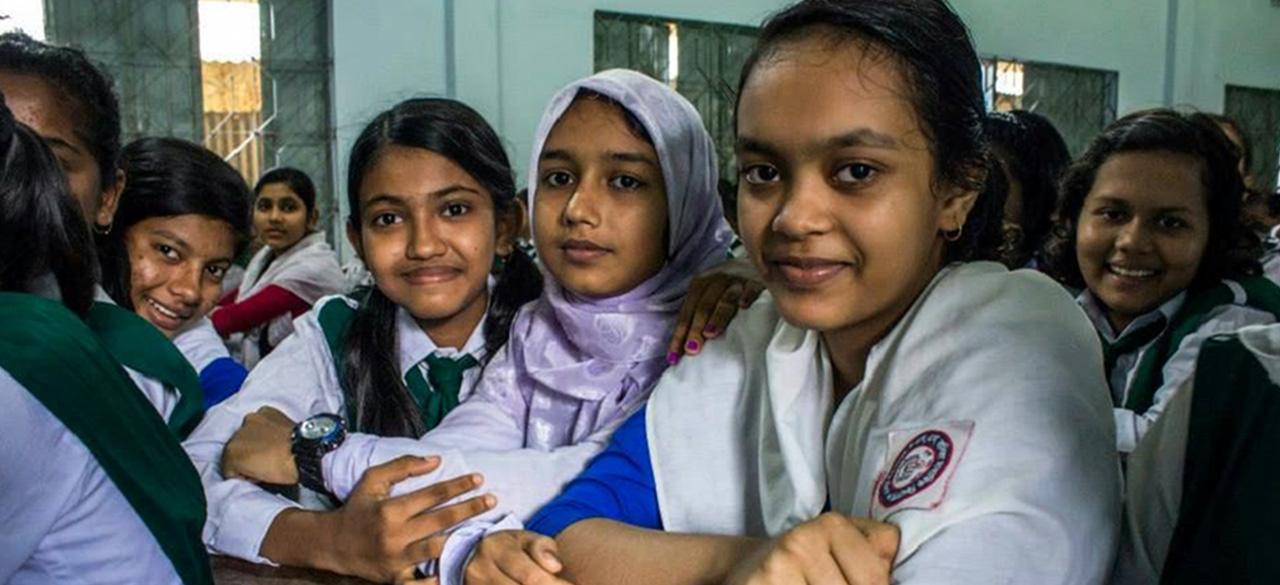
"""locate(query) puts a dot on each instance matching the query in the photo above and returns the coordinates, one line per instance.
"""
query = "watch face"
(317, 427)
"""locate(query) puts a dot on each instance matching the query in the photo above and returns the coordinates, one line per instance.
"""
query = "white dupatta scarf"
(309, 269)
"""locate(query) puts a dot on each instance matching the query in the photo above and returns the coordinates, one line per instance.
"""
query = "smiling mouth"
(583, 250)
(1133, 273)
(432, 274)
(165, 311)
(806, 273)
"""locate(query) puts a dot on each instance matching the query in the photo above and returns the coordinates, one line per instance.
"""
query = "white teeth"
(1132, 273)
(162, 310)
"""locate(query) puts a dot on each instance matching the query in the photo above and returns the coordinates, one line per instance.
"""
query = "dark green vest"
(138, 345)
(1260, 294)
(65, 366)
(1229, 521)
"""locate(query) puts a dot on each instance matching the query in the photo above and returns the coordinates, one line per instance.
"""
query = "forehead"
(205, 236)
(593, 124)
(813, 88)
(1152, 179)
(277, 191)
(409, 171)
(38, 104)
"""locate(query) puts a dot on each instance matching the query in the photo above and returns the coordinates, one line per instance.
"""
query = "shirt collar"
(1093, 309)
(415, 345)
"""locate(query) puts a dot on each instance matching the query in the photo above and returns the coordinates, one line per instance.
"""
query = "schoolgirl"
(1150, 227)
(95, 485)
(182, 219)
(1032, 157)
(292, 270)
(617, 153)
(432, 209)
(69, 102)
(624, 214)
(891, 376)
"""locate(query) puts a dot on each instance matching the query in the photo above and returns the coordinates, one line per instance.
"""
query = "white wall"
(1223, 42)
(1127, 37)
(510, 56)
(383, 51)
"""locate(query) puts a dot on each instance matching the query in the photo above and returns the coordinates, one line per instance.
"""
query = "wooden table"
(230, 571)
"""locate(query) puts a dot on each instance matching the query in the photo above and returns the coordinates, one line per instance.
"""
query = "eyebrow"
(179, 242)
(58, 142)
(861, 137)
(1109, 200)
(401, 200)
(555, 155)
(633, 157)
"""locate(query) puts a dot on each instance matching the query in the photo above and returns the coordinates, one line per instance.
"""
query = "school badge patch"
(920, 463)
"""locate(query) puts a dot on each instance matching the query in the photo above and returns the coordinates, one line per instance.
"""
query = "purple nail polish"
(710, 329)
(672, 358)
(691, 346)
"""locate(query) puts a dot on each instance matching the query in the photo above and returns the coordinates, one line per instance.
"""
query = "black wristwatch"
(312, 438)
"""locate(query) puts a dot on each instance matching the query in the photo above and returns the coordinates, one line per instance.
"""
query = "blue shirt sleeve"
(220, 379)
(617, 485)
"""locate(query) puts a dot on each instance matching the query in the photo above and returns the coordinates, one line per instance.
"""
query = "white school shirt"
(981, 428)
(62, 519)
(300, 380)
(1153, 474)
(200, 344)
(1132, 426)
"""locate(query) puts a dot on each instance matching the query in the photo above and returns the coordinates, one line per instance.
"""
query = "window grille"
(700, 60)
(1257, 111)
(1079, 101)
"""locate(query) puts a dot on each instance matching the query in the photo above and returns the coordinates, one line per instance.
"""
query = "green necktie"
(438, 394)
(1143, 335)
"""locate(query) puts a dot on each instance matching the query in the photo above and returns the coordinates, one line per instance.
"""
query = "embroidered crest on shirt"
(920, 465)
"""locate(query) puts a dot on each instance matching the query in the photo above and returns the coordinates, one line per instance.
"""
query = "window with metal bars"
(1079, 101)
(700, 60)
(1257, 111)
(265, 108)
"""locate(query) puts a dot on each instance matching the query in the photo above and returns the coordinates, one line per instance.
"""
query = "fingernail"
(477, 479)
(432, 460)
(692, 346)
(672, 358)
(710, 330)
(490, 501)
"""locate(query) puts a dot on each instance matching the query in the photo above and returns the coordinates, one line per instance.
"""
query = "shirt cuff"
(242, 526)
(1126, 430)
(343, 467)
(461, 545)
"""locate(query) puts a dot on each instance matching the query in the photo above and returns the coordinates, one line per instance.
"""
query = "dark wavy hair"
(81, 81)
(1031, 151)
(371, 373)
(1243, 149)
(1232, 250)
(41, 230)
(297, 181)
(168, 177)
(943, 76)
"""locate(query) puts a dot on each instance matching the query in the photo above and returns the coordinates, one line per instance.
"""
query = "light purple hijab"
(575, 364)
